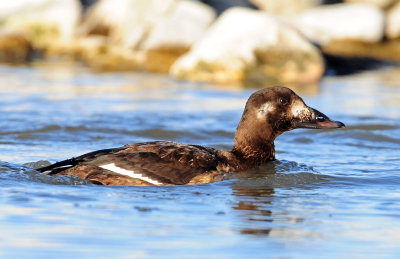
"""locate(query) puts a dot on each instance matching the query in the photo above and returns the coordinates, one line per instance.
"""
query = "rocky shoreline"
(283, 42)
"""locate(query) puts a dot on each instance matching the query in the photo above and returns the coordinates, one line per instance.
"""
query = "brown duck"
(268, 113)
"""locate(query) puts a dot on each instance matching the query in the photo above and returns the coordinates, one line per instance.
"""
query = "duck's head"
(271, 111)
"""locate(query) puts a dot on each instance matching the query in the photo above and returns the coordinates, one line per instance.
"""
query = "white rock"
(185, 24)
(61, 15)
(229, 48)
(147, 24)
(393, 22)
(126, 20)
(342, 22)
(285, 7)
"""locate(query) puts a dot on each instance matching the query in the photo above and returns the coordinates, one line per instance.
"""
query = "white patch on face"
(299, 109)
(112, 167)
(264, 109)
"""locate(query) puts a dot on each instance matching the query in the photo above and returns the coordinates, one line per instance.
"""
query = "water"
(330, 193)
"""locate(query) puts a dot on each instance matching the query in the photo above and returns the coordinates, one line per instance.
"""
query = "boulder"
(393, 22)
(359, 22)
(182, 26)
(165, 29)
(173, 34)
(44, 22)
(250, 46)
(149, 24)
(124, 22)
(285, 7)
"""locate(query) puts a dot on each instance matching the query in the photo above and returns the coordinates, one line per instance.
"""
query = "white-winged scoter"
(268, 113)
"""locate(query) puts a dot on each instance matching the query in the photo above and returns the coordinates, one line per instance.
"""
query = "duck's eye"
(283, 100)
(320, 118)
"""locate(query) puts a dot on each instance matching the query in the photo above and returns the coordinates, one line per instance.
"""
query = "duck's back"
(150, 163)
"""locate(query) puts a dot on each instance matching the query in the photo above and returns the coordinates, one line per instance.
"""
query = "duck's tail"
(68, 163)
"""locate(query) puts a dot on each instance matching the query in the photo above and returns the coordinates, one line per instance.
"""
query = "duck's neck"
(254, 149)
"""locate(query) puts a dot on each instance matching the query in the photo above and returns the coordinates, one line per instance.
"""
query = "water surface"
(330, 193)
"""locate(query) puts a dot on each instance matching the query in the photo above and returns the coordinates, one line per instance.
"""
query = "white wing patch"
(112, 167)
(264, 109)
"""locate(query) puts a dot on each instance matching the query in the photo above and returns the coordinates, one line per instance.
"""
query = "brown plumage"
(268, 113)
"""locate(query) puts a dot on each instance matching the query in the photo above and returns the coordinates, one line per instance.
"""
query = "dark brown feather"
(165, 162)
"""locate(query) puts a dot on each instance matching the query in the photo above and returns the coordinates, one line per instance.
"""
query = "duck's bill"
(321, 125)
(319, 121)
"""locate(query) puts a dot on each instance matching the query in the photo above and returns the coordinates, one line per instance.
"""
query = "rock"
(386, 50)
(378, 3)
(182, 26)
(285, 7)
(161, 59)
(393, 22)
(358, 22)
(115, 58)
(250, 46)
(125, 22)
(149, 24)
(173, 34)
(164, 29)
(101, 56)
(45, 22)
(14, 48)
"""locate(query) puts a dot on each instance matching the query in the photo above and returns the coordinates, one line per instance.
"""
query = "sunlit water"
(330, 193)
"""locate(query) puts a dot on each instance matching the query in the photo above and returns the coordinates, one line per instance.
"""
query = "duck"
(268, 113)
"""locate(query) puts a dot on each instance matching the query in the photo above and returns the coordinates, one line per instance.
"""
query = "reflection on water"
(255, 194)
(330, 193)
(254, 206)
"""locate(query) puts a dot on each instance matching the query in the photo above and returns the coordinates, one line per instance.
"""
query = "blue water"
(330, 194)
